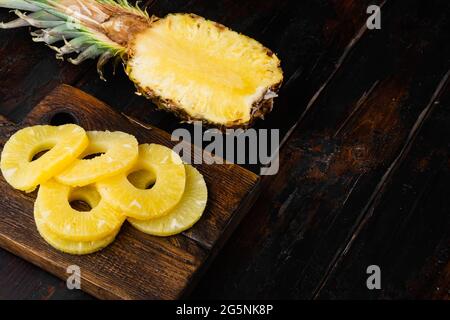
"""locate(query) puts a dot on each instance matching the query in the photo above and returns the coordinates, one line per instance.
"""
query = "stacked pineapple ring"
(112, 176)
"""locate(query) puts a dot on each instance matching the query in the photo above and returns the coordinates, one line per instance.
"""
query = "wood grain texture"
(333, 165)
(135, 266)
(406, 233)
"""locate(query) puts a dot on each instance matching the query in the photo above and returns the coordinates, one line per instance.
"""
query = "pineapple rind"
(161, 198)
(68, 246)
(120, 154)
(185, 214)
(65, 142)
(70, 224)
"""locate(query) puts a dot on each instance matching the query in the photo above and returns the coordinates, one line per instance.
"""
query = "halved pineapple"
(167, 191)
(68, 246)
(191, 66)
(20, 169)
(55, 211)
(119, 153)
(142, 179)
(185, 214)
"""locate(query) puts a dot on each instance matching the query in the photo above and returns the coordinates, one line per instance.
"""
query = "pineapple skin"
(260, 108)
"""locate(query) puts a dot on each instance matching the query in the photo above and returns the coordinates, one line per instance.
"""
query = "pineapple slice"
(185, 214)
(68, 246)
(196, 68)
(55, 211)
(20, 169)
(169, 172)
(120, 152)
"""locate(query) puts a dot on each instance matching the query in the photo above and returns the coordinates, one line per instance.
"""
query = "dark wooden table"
(364, 167)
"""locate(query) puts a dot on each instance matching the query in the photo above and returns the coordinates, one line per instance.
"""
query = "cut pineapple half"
(196, 68)
(203, 70)
(55, 210)
(185, 214)
(64, 144)
(169, 172)
(68, 246)
(119, 152)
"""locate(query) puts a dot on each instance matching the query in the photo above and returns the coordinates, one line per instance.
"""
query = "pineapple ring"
(68, 246)
(120, 152)
(65, 222)
(167, 191)
(64, 144)
(185, 214)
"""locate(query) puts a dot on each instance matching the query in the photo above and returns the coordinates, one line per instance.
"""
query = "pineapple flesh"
(170, 178)
(18, 164)
(185, 214)
(193, 67)
(119, 152)
(55, 211)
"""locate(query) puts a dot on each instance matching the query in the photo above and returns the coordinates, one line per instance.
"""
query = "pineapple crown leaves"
(58, 20)
(125, 5)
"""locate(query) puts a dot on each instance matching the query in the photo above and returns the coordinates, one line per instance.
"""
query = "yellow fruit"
(185, 214)
(68, 246)
(193, 67)
(55, 210)
(119, 153)
(169, 172)
(64, 144)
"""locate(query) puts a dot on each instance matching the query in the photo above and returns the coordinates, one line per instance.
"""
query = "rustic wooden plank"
(407, 233)
(135, 265)
(335, 159)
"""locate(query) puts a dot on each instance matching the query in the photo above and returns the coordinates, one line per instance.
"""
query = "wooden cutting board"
(136, 265)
